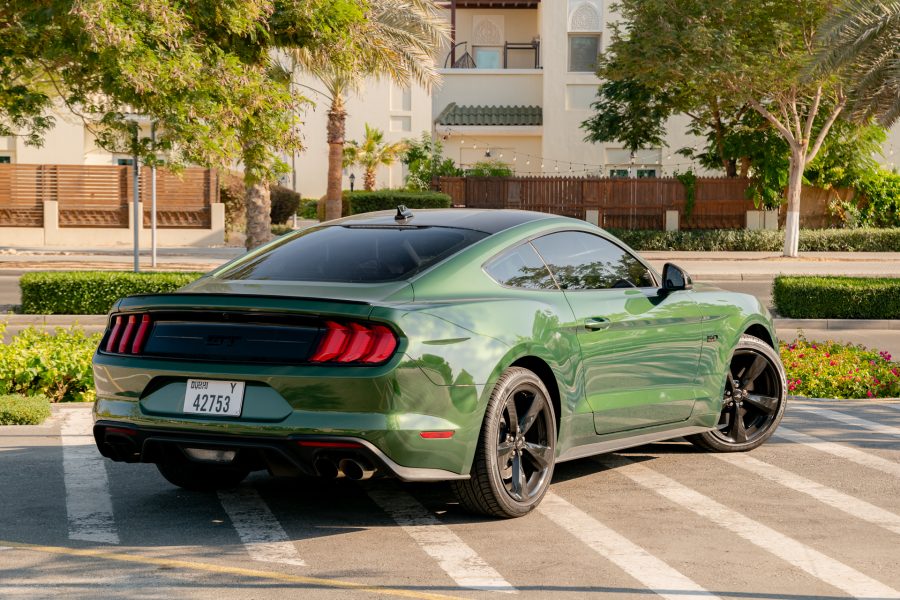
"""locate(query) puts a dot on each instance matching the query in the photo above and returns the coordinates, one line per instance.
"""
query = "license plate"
(217, 398)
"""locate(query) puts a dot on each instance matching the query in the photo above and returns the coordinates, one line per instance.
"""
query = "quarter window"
(583, 261)
(521, 267)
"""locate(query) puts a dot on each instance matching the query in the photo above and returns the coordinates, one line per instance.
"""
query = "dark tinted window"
(521, 268)
(354, 254)
(582, 261)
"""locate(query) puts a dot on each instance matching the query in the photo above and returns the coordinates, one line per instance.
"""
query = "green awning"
(490, 116)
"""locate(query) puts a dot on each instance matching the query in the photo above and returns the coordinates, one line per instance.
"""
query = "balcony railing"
(461, 56)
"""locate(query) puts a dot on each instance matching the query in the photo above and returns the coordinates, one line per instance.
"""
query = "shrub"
(308, 208)
(16, 409)
(812, 297)
(489, 168)
(56, 365)
(231, 193)
(285, 203)
(363, 202)
(811, 240)
(281, 229)
(833, 370)
(345, 207)
(91, 292)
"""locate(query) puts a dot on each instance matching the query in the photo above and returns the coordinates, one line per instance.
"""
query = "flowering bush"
(835, 370)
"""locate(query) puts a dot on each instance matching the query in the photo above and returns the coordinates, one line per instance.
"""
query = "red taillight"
(114, 335)
(141, 336)
(128, 334)
(355, 343)
(436, 435)
(333, 343)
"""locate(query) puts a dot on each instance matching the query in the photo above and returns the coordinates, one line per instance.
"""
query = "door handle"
(596, 323)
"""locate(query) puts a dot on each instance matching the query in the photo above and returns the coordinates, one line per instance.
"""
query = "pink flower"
(832, 363)
(869, 394)
(827, 354)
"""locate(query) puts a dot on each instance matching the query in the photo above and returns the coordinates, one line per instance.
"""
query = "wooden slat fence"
(621, 203)
(98, 195)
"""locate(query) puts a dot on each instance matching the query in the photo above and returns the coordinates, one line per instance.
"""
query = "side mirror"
(675, 278)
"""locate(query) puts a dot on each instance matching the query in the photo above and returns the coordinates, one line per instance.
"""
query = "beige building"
(516, 84)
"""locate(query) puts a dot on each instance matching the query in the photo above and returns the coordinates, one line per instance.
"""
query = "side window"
(583, 261)
(521, 267)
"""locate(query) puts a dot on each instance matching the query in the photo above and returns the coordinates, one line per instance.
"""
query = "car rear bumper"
(288, 455)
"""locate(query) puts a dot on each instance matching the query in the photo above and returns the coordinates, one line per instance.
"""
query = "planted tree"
(397, 40)
(371, 153)
(713, 60)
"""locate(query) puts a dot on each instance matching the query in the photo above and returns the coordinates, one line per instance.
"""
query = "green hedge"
(363, 202)
(811, 297)
(811, 240)
(54, 364)
(91, 292)
(16, 409)
(285, 204)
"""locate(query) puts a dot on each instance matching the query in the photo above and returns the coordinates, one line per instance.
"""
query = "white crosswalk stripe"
(850, 420)
(88, 503)
(658, 576)
(259, 530)
(833, 498)
(844, 451)
(454, 556)
(817, 564)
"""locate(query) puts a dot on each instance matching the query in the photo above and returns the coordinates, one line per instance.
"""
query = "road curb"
(837, 400)
(52, 320)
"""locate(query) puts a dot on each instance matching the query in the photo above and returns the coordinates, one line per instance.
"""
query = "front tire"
(755, 397)
(199, 477)
(516, 450)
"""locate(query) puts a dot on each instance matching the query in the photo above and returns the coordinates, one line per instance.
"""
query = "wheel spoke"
(504, 449)
(767, 404)
(525, 423)
(513, 416)
(730, 381)
(759, 365)
(542, 455)
(518, 478)
(737, 431)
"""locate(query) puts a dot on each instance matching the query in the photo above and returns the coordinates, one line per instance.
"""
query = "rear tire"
(199, 477)
(755, 397)
(516, 450)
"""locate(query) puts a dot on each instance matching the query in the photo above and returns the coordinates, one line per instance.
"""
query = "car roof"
(489, 221)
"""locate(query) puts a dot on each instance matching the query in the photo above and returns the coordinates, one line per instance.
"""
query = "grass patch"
(91, 292)
(836, 370)
(814, 297)
(16, 409)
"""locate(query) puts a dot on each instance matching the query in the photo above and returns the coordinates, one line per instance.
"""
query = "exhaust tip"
(356, 470)
(326, 468)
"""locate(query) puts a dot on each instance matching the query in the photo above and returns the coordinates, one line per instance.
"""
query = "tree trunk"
(369, 183)
(795, 187)
(745, 166)
(259, 222)
(730, 167)
(337, 122)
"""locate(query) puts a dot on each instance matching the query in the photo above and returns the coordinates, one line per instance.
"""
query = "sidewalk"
(750, 266)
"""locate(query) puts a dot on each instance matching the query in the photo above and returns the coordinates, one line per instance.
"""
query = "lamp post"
(352, 181)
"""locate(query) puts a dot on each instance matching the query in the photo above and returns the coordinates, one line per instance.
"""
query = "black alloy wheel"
(516, 450)
(754, 399)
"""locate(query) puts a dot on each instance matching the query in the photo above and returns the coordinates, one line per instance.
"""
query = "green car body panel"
(655, 370)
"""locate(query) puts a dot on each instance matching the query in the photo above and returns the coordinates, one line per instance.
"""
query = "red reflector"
(121, 430)
(360, 343)
(436, 435)
(114, 335)
(384, 346)
(333, 343)
(141, 336)
(318, 444)
(126, 335)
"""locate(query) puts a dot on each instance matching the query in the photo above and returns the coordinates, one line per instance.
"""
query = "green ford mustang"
(479, 347)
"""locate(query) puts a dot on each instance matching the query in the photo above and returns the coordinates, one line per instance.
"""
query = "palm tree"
(397, 40)
(863, 36)
(372, 153)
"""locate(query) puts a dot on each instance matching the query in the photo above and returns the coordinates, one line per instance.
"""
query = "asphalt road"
(814, 513)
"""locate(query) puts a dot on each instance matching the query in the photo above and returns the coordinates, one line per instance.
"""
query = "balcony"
(505, 36)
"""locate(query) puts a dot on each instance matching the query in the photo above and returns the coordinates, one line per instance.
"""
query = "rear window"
(354, 254)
